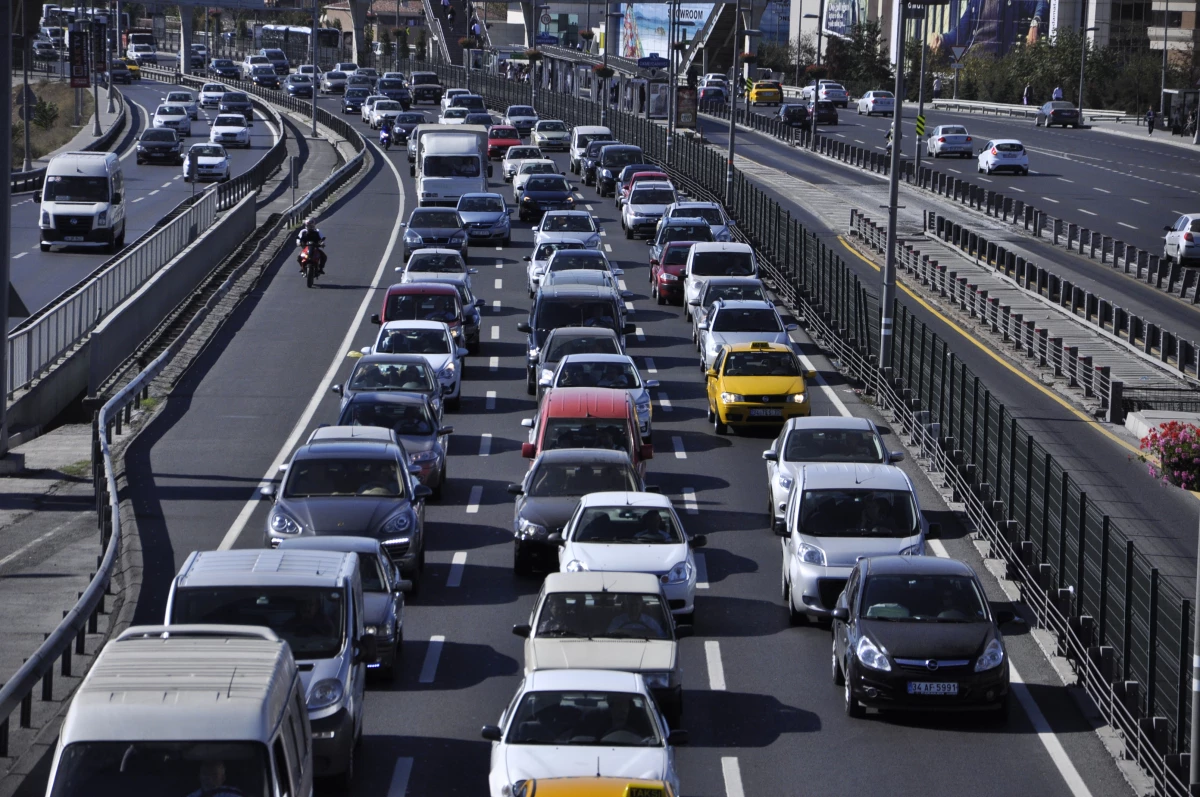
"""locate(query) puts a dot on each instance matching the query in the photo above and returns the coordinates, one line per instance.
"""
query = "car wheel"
(530, 385)
(437, 491)
(710, 416)
(854, 709)
(1000, 715)
(794, 617)
(628, 231)
(658, 297)
(45, 247)
(835, 669)
(719, 427)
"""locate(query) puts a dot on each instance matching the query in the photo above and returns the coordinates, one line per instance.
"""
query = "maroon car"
(423, 301)
(666, 275)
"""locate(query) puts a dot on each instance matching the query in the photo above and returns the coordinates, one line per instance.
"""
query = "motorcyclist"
(310, 235)
(888, 138)
(385, 135)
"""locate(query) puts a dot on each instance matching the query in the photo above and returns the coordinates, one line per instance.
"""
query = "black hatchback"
(795, 116)
(236, 102)
(159, 145)
(1057, 112)
(916, 633)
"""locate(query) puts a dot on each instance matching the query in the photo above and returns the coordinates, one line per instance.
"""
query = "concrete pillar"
(185, 39)
(358, 21)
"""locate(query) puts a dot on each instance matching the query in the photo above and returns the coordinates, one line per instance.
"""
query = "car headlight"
(458, 237)
(423, 456)
(102, 218)
(45, 218)
(385, 629)
(668, 277)
(526, 199)
(576, 566)
(732, 398)
(397, 524)
(411, 237)
(325, 693)
(607, 173)
(570, 200)
(447, 371)
(657, 680)
(871, 656)
(593, 242)
(527, 528)
(811, 554)
(993, 656)
(784, 481)
(797, 398)
(679, 573)
(283, 524)
(914, 550)
(643, 405)
(500, 223)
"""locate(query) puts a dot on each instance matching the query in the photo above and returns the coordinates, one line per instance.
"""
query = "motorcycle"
(310, 260)
(385, 136)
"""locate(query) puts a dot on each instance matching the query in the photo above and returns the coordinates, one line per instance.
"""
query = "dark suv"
(425, 87)
(567, 306)
(591, 155)
(613, 159)
(395, 90)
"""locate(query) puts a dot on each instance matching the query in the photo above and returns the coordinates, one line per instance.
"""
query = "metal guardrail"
(33, 180)
(1023, 111)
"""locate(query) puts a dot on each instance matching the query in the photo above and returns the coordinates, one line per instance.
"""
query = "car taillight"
(994, 150)
(1187, 236)
(942, 140)
(968, 138)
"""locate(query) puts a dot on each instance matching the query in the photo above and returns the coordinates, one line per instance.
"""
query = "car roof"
(917, 565)
(1006, 141)
(387, 397)
(855, 475)
(688, 205)
(746, 304)
(599, 680)
(390, 358)
(339, 543)
(431, 288)
(416, 324)
(683, 221)
(566, 213)
(722, 246)
(759, 345)
(652, 184)
(436, 250)
(586, 402)
(574, 292)
(581, 332)
(600, 581)
(624, 359)
(831, 422)
(264, 566)
(584, 456)
(626, 498)
(714, 281)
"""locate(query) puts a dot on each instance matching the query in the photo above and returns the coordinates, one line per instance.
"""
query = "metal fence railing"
(1125, 631)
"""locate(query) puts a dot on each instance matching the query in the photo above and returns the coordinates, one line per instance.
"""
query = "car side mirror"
(792, 327)
(523, 326)
(935, 531)
(445, 430)
(522, 630)
(116, 197)
(421, 492)
(491, 733)
(335, 389)
(489, 170)
(841, 613)
(1168, 228)
(545, 382)
(375, 317)
(37, 197)
(618, 272)
(479, 303)
(403, 586)
(528, 450)
(267, 492)
(651, 383)
(699, 541)
(810, 374)
(711, 373)
(412, 171)
(653, 261)
(527, 423)
(702, 326)
(365, 350)
(770, 455)
(628, 329)
(461, 352)
(896, 456)
(646, 451)
(516, 488)
(368, 650)
(650, 242)
(554, 539)
(677, 737)
(780, 528)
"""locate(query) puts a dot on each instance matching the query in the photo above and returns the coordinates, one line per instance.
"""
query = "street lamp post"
(1083, 65)
(737, 17)
(94, 29)
(920, 87)
(108, 59)
(888, 296)
(27, 51)
(317, 69)
(609, 16)
(1162, 95)
(533, 66)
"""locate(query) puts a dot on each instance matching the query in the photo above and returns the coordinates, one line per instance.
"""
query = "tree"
(402, 42)
(860, 60)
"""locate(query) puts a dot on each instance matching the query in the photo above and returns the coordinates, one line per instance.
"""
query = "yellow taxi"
(752, 384)
(766, 92)
(594, 787)
(135, 71)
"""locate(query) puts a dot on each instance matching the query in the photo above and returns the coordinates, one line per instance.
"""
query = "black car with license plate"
(353, 99)
(396, 90)
(265, 77)
(916, 633)
(794, 115)
(823, 112)
(119, 72)
(544, 192)
(1057, 112)
(237, 102)
(223, 68)
(298, 85)
(404, 124)
(159, 145)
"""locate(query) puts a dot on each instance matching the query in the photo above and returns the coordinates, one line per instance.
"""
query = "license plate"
(932, 688)
(766, 413)
(477, 233)
(72, 237)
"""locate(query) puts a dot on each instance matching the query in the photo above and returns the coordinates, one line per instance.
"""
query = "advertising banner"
(77, 57)
(656, 105)
(100, 43)
(992, 27)
(685, 108)
(842, 15)
(645, 26)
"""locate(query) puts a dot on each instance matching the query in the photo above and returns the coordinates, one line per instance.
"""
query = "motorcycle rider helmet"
(310, 223)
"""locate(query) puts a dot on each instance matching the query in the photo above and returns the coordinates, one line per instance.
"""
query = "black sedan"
(1058, 112)
(544, 192)
(712, 97)
(236, 102)
(119, 72)
(823, 111)
(159, 145)
(396, 90)
(916, 633)
(265, 77)
(352, 100)
(429, 228)
(795, 115)
(404, 124)
(223, 68)
(298, 85)
(548, 496)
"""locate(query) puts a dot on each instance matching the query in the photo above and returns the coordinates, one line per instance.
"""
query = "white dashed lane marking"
(432, 655)
(689, 501)
(677, 442)
(474, 499)
(457, 565)
(485, 444)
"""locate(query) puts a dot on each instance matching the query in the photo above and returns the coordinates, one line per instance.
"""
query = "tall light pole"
(1083, 65)
(888, 296)
(108, 55)
(317, 69)
(1162, 95)
(27, 48)
(533, 66)
(820, 18)
(6, 19)
(737, 17)
(609, 17)
(920, 87)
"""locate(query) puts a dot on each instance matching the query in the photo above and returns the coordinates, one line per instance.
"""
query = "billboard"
(842, 15)
(644, 26)
(685, 108)
(990, 27)
(77, 57)
(656, 105)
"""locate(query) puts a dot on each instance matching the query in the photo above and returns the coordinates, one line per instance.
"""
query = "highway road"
(758, 701)
(1125, 187)
(152, 190)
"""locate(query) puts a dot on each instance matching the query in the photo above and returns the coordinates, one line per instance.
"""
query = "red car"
(423, 301)
(587, 417)
(666, 275)
(656, 176)
(500, 138)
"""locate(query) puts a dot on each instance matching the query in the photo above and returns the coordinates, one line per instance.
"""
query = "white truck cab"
(450, 165)
(83, 202)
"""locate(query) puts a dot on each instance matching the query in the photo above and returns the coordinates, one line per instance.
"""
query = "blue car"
(544, 192)
(486, 218)
(299, 86)
(352, 100)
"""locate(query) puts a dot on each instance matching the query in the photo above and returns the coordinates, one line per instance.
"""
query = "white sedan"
(174, 117)
(212, 163)
(550, 134)
(367, 103)
(384, 112)
(877, 102)
(513, 158)
(434, 341)
(186, 100)
(454, 116)
(1003, 154)
(575, 723)
(633, 533)
(230, 130)
(568, 225)
(540, 259)
(211, 93)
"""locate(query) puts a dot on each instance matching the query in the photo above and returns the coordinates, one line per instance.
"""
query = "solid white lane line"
(641, 334)
(716, 670)
(956, 171)
(679, 452)
(485, 444)
(490, 400)
(495, 332)
(1140, 201)
(474, 499)
(400, 775)
(429, 668)
(651, 368)
(457, 564)
(1018, 190)
(689, 501)
(701, 572)
(493, 363)
(499, 284)
(1123, 224)
(1048, 199)
(986, 180)
(1090, 213)
(826, 389)
(322, 389)
(495, 305)
(664, 403)
(732, 774)
(33, 543)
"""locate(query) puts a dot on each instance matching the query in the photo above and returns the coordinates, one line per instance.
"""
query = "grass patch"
(57, 96)
(148, 403)
(77, 470)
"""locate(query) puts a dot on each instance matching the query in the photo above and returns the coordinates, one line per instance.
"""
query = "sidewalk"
(1160, 136)
(85, 136)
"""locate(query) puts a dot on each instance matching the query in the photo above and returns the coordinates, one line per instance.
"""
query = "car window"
(413, 376)
(652, 196)
(547, 184)
(564, 479)
(432, 217)
(545, 250)
(563, 345)
(230, 121)
(748, 319)
(374, 578)
(611, 719)
(551, 127)
(926, 598)
(387, 105)
(616, 375)
(858, 513)
(685, 232)
(833, 445)
(337, 476)
(626, 525)
(711, 215)
(451, 166)
(310, 620)
(568, 223)
(437, 262)
(481, 204)
(1009, 147)
(620, 157)
(158, 134)
(605, 433)
(603, 615)
(403, 419)
(733, 293)
(675, 255)
(414, 341)
(722, 264)
(208, 151)
(538, 168)
(579, 259)
(761, 363)
(422, 307)
(954, 131)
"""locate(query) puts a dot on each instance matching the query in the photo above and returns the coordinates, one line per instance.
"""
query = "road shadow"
(740, 719)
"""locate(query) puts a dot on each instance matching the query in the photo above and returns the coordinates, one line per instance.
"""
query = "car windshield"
(538, 168)
(551, 127)
(425, 78)
(627, 525)
(310, 619)
(858, 513)
(547, 184)
(594, 147)
(795, 112)
(335, 75)
(675, 255)
(390, 84)
(709, 214)
(603, 615)
(234, 96)
(733, 293)
(521, 110)
(422, 307)
(264, 69)
(478, 119)
(652, 196)
(550, 247)
(451, 166)
(410, 118)
(414, 341)
(481, 204)
(750, 319)
(158, 134)
(1009, 147)
(208, 151)
(387, 105)
(579, 259)
(722, 264)
(503, 132)
(403, 419)
(213, 88)
(554, 479)
(230, 121)
(633, 168)
(410, 376)
(300, 79)
(613, 158)
(1061, 106)
(69, 188)
(170, 110)
(824, 105)
(374, 578)
(833, 445)
(685, 232)
(357, 94)
(609, 434)
(568, 223)
(433, 218)
(922, 599)
(576, 313)
(112, 769)
(222, 62)
(761, 363)
(436, 262)
(517, 153)
(318, 477)
(617, 375)
(563, 345)
(602, 719)
(176, 96)
(456, 113)
(954, 131)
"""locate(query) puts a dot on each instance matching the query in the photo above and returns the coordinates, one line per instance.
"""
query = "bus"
(296, 43)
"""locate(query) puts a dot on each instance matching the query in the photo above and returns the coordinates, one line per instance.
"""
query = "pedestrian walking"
(1058, 95)
(1027, 95)
(937, 88)
(450, 17)
(476, 30)
(1150, 122)
(445, 6)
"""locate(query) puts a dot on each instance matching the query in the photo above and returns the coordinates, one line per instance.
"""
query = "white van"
(314, 601)
(187, 712)
(581, 136)
(720, 259)
(83, 202)
(450, 165)
(420, 131)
